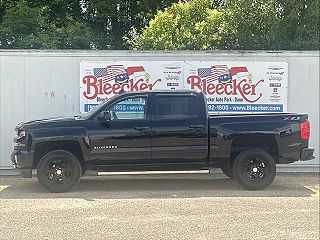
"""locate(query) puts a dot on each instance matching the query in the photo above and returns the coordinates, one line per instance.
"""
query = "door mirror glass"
(104, 116)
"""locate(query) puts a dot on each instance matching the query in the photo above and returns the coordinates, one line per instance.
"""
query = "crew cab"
(160, 131)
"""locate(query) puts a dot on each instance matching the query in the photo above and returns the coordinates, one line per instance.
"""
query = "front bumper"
(306, 154)
(22, 160)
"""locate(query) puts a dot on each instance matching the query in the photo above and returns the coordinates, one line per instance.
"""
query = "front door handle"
(196, 126)
(142, 128)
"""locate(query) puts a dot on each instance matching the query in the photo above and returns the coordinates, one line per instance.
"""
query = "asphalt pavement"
(200, 206)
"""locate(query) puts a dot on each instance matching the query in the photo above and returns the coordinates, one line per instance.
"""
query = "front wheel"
(59, 171)
(254, 169)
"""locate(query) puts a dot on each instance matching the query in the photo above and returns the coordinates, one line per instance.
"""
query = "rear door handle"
(142, 128)
(197, 126)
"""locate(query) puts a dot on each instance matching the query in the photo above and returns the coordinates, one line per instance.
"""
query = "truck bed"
(277, 132)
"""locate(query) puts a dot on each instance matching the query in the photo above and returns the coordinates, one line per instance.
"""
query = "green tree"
(2, 9)
(233, 24)
(250, 24)
(194, 24)
(24, 27)
(299, 24)
(191, 25)
(114, 20)
(95, 24)
(272, 24)
(27, 25)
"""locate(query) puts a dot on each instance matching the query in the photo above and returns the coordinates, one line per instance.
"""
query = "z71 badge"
(291, 118)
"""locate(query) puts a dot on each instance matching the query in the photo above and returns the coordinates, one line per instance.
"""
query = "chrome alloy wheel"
(58, 172)
(256, 169)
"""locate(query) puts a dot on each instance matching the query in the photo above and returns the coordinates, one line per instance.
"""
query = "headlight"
(20, 139)
(21, 133)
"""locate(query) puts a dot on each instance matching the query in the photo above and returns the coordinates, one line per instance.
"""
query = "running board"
(153, 172)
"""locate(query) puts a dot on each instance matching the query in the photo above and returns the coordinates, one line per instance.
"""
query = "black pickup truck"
(160, 131)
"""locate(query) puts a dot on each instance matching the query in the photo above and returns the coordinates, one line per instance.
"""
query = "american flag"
(204, 72)
(219, 72)
(216, 72)
(110, 72)
(118, 72)
(99, 72)
(116, 69)
(103, 73)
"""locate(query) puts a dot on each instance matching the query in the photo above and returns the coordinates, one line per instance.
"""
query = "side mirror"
(104, 116)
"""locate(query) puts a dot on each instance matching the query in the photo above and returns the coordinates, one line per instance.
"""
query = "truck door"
(179, 129)
(126, 137)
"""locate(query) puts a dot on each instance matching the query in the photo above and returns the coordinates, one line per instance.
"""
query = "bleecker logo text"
(233, 88)
(95, 87)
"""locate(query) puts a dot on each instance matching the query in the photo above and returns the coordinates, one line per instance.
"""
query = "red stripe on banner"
(236, 70)
(132, 70)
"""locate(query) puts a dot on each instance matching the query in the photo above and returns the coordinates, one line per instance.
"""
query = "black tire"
(254, 169)
(59, 171)
(228, 171)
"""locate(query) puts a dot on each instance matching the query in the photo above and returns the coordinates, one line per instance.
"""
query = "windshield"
(95, 109)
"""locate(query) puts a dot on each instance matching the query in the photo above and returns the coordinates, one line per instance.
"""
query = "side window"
(130, 108)
(176, 107)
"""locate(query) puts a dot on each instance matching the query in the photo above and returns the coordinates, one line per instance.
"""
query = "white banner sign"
(229, 86)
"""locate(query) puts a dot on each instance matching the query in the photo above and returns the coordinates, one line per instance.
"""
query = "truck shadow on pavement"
(216, 185)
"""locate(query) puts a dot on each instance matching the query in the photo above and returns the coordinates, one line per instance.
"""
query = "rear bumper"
(306, 154)
(295, 154)
(22, 161)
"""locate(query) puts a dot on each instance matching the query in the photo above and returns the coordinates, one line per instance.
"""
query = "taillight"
(305, 130)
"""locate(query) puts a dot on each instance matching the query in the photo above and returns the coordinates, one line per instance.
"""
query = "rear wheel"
(59, 171)
(254, 169)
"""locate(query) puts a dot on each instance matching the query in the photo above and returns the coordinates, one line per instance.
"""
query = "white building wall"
(39, 84)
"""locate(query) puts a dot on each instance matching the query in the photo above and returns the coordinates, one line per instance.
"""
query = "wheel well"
(42, 149)
(244, 143)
